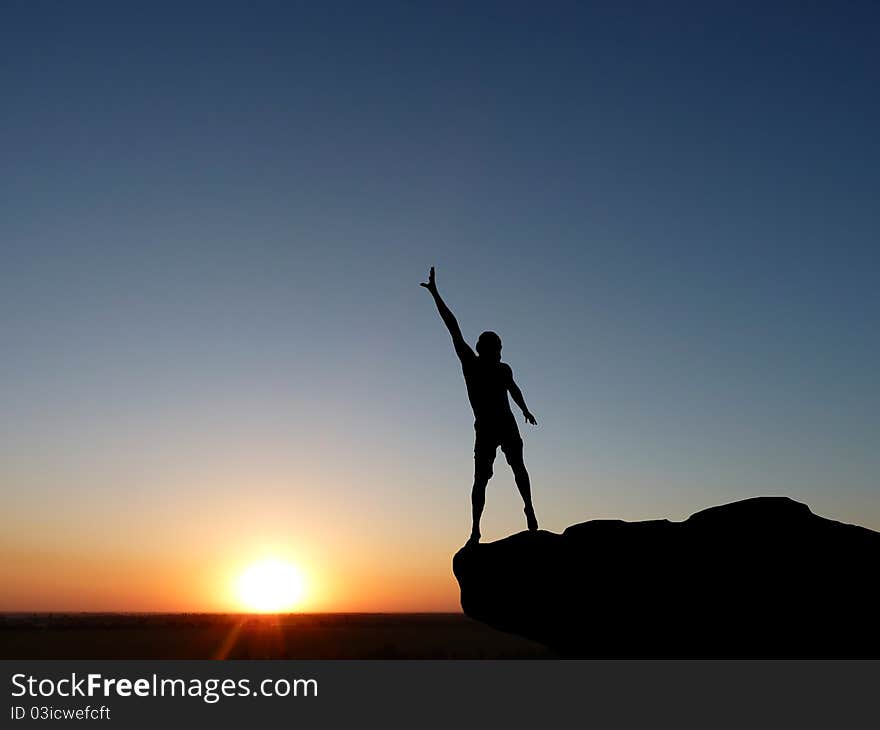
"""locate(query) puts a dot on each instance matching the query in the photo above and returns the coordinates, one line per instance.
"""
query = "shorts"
(488, 440)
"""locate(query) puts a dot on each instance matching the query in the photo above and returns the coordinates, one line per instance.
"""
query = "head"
(489, 346)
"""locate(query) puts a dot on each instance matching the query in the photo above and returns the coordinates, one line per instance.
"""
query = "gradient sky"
(214, 219)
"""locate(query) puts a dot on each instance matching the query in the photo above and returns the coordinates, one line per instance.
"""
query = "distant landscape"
(254, 636)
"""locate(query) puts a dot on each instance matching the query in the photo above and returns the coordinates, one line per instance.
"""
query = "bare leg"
(484, 457)
(525, 490)
(478, 501)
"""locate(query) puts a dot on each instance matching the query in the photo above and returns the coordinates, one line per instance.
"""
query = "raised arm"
(462, 349)
(517, 396)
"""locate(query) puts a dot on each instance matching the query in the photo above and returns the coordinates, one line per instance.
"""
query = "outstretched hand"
(530, 418)
(430, 285)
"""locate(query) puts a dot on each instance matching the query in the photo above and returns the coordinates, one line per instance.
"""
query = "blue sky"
(214, 219)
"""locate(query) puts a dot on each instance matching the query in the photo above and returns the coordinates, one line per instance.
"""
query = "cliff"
(764, 577)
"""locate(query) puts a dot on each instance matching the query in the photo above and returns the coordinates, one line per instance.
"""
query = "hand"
(530, 418)
(430, 285)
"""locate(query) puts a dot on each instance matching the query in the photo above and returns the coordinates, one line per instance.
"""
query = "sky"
(214, 219)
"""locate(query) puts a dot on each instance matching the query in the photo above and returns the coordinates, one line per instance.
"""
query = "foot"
(474, 538)
(531, 520)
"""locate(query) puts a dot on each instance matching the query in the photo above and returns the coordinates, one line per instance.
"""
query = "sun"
(271, 586)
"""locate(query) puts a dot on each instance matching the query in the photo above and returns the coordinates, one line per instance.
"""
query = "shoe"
(531, 520)
(474, 538)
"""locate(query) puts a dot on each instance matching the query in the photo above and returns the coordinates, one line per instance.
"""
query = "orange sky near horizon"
(193, 517)
(55, 579)
(167, 559)
(372, 528)
(40, 581)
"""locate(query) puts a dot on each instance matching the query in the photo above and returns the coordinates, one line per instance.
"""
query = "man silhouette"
(488, 382)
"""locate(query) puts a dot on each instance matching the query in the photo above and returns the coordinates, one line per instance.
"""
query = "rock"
(764, 577)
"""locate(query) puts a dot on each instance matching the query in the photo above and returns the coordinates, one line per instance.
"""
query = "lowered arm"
(517, 396)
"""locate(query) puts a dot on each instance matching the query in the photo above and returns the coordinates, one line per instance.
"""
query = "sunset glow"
(271, 586)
